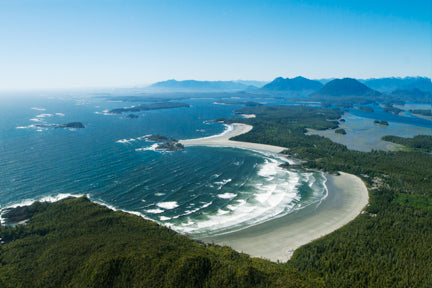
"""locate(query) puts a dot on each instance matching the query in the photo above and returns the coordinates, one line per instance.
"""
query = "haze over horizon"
(82, 44)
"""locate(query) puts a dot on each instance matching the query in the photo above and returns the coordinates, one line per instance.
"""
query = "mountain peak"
(297, 84)
(346, 87)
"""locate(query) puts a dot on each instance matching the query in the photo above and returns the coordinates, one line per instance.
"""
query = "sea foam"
(168, 205)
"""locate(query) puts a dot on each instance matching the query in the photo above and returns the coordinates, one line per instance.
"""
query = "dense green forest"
(419, 142)
(389, 245)
(75, 243)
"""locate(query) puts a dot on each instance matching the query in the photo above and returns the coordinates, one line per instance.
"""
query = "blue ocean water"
(199, 191)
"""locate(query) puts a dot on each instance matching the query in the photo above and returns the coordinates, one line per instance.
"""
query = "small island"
(165, 143)
(381, 123)
(72, 125)
(340, 131)
(394, 110)
(422, 112)
(132, 116)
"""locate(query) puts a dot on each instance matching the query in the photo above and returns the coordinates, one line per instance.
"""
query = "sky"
(81, 44)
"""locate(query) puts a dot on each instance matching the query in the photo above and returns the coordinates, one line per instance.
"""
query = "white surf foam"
(168, 205)
(127, 140)
(28, 202)
(44, 115)
(151, 148)
(154, 211)
(38, 109)
(188, 212)
(272, 194)
(227, 195)
(222, 183)
(25, 127)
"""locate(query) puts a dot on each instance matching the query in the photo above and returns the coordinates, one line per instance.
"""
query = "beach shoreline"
(277, 239)
(223, 140)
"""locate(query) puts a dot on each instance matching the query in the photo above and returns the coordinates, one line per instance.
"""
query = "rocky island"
(165, 143)
(73, 125)
(381, 123)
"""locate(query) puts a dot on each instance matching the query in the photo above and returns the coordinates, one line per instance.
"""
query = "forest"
(388, 245)
(75, 243)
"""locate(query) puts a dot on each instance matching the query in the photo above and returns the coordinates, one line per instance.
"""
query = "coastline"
(222, 140)
(277, 239)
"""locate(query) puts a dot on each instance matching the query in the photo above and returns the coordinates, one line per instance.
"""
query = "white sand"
(277, 239)
(222, 140)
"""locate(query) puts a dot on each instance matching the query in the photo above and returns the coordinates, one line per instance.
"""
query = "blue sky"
(74, 44)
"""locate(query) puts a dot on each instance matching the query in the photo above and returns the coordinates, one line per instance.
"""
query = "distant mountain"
(412, 95)
(387, 85)
(298, 84)
(346, 87)
(252, 83)
(194, 85)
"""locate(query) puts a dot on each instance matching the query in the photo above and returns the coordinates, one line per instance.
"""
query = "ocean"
(201, 191)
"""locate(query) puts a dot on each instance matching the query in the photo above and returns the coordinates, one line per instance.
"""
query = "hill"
(76, 243)
(297, 84)
(387, 85)
(194, 85)
(346, 87)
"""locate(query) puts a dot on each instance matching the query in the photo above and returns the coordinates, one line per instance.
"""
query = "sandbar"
(222, 140)
(277, 239)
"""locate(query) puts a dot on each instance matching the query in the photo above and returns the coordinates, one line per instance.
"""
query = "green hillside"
(75, 243)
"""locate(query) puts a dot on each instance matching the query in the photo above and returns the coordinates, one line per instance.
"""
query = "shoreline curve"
(223, 140)
(277, 239)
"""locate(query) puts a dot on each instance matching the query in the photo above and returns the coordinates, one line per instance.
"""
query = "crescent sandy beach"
(277, 239)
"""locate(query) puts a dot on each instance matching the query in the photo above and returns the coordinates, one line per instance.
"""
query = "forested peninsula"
(147, 107)
(76, 243)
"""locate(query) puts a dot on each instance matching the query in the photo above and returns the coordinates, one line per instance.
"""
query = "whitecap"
(25, 127)
(260, 201)
(44, 115)
(168, 204)
(222, 183)
(127, 140)
(60, 114)
(154, 211)
(38, 109)
(222, 212)
(227, 195)
(164, 218)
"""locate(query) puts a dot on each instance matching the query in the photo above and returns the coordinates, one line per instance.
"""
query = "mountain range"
(387, 85)
(194, 85)
(297, 84)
